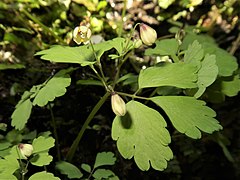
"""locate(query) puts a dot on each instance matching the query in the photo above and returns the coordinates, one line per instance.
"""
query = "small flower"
(118, 105)
(147, 34)
(81, 34)
(26, 150)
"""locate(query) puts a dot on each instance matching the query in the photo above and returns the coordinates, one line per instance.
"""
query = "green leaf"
(86, 167)
(141, 133)
(188, 115)
(207, 74)
(42, 144)
(231, 85)
(4, 144)
(41, 159)
(82, 55)
(63, 54)
(9, 164)
(21, 114)
(104, 158)
(3, 126)
(68, 169)
(7, 176)
(226, 63)
(55, 87)
(164, 47)
(103, 174)
(43, 175)
(194, 53)
(179, 75)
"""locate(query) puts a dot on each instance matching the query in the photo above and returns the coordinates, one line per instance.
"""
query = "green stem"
(99, 77)
(175, 58)
(74, 146)
(55, 132)
(132, 95)
(100, 67)
(119, 67)
(45, 28)
(21, 164)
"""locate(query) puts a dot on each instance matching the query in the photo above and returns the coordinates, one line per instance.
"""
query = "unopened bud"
(147, 34)
(118, 105)
(26, 150)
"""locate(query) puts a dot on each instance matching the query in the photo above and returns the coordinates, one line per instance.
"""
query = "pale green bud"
(147, 34)
(118, 105)
(26, 150)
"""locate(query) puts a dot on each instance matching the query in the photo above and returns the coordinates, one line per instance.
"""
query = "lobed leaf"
(82, 55)
(164, 47)
(194, 53)
(179, 75)
(41, 159)
(188, 115)
(53, 88)
(86, 167)
(207, 74)
(43, 175)
(21, 114)
(226, 63)
(68, 169)
(104, 158)
(42, 144)
(104, 174)
(141, 134)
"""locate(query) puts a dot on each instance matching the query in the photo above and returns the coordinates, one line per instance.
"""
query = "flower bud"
(118, 105)
(147, 34)
(82, 34)
(26, 150)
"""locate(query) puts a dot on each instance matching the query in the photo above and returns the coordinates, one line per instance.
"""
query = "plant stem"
(132, 95)
(55, 132)
(100, 67)
(119, 67)
(74, 146)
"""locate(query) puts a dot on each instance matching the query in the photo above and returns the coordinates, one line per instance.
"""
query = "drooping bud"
(26, 150)
(82, 34)
(118, 105)
(147, 34)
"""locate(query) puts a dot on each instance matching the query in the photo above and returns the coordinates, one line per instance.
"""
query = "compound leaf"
(164, 47)
(188, 115)
(43, 175)
(104, 158)
(42, 144)
(21, 114)
(179, 75)
(68, 169)
(141, 134)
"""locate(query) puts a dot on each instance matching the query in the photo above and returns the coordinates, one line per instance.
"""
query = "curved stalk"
(74, 146)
